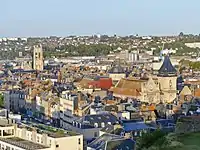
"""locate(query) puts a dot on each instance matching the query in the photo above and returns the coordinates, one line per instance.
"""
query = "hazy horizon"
(44, 18)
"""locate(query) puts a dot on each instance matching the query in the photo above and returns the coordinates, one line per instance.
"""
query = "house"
(186, 94)
(135, 128)
(48, 107)
(112, 129)
(15, 100)
(37, 137)
(111, 142)
(90, 125)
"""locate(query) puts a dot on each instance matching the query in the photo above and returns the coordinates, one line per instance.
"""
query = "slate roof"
(112, 142)
(167, 68)
(134, 126)
(117, 69)
(90, 120)
(111, 129)
(108, 128)
(165, 122)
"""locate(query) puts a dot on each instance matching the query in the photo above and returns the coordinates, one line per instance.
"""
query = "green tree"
(149, 139)
(1, 100)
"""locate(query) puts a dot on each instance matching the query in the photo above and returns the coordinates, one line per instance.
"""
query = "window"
(79, 141)
(95, 134)
(102, 124)
(7, 148)
(135, 133)
(50, 142)
(140, 133)
(96, 125)
(170, 83)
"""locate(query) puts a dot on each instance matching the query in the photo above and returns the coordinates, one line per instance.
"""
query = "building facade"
(14, 100)
(154, 89)
(16, 137)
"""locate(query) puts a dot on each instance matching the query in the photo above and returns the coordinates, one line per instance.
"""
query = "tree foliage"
(149, 139)
(1, 100)
(80, 50)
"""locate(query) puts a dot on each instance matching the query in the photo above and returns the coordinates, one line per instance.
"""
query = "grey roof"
(117, 69)
(108, 128)
(167, 68)
(99, 119)
(111, 129)
(111, 142)
(25, 144)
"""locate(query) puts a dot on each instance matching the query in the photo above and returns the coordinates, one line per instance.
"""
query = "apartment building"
(14, 100)
(24, 137)
(68, 105)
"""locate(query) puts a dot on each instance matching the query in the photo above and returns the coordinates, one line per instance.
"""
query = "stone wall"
(188, 125)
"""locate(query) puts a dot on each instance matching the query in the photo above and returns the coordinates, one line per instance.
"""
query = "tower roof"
(116, 69)
(167, 69)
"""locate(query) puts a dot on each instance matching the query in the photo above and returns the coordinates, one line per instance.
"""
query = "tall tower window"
(170, 83)
(38, 58)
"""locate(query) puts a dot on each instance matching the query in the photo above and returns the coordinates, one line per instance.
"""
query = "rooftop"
(25, 144)
(110, 142)
(117, 69)
(50, 131)
(167, 68)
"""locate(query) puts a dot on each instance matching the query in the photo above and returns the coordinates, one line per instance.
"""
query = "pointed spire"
(167, 69)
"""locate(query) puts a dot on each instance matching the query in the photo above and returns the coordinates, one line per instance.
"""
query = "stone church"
(154, 89)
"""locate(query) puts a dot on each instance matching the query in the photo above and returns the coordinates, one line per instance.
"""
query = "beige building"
(167, 79)
(72, 105)
(38, 63)
(48, 107)
(15, 137)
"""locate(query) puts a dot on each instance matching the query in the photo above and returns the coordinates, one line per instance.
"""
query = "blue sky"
(85, 17)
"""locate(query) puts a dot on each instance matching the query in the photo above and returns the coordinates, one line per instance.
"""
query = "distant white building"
(193, 45)
(150, 52)
(133, 56)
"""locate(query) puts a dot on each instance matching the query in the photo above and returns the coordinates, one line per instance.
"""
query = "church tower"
(167, 78)
(38, 63)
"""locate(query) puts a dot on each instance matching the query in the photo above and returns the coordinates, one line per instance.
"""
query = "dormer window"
(96, 125)
(77, 124)
(170, 83)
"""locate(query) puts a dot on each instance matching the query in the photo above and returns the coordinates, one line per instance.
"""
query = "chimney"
(29, 91)
(79, 97)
